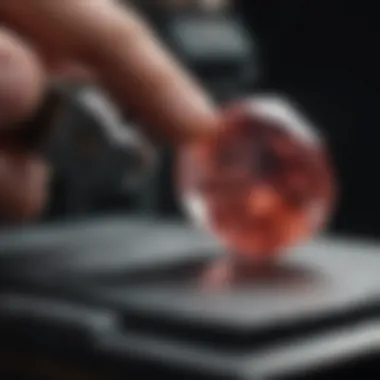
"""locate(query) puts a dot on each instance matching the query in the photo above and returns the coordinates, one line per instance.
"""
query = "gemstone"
(262, 183)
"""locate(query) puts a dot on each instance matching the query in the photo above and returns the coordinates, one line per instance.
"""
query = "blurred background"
(321, 54)
(78, 282)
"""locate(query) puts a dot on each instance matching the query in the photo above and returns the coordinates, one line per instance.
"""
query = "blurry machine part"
(214, 44)
(99, 159)
(207, 5)
(209, 37)
(214, 5)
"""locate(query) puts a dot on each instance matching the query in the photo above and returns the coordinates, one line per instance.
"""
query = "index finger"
(128, 58)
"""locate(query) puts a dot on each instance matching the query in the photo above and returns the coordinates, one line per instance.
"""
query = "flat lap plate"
(322, 278)
(81, 248)
(325, 275)
(133, 265)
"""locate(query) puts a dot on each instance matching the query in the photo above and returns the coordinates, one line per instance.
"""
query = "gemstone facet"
(262, 183)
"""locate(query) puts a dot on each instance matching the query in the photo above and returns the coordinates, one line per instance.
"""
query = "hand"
(104, 40)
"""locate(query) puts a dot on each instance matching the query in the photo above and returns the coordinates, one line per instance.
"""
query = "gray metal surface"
(330, 277)
(104, 244)
(326, 276)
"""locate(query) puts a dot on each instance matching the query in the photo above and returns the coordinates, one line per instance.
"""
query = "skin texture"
(98, 40)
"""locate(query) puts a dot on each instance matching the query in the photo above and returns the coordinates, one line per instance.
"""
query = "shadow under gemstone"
(232, 273)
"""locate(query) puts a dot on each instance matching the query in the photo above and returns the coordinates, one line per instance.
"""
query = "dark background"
(325, 54)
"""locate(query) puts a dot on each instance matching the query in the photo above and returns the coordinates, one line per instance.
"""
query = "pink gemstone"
(263, 183)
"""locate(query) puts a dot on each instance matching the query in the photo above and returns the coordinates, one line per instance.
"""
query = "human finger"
(22, 80)
(127, 57)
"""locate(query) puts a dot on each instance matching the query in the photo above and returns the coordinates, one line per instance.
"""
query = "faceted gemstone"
(262, 183)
